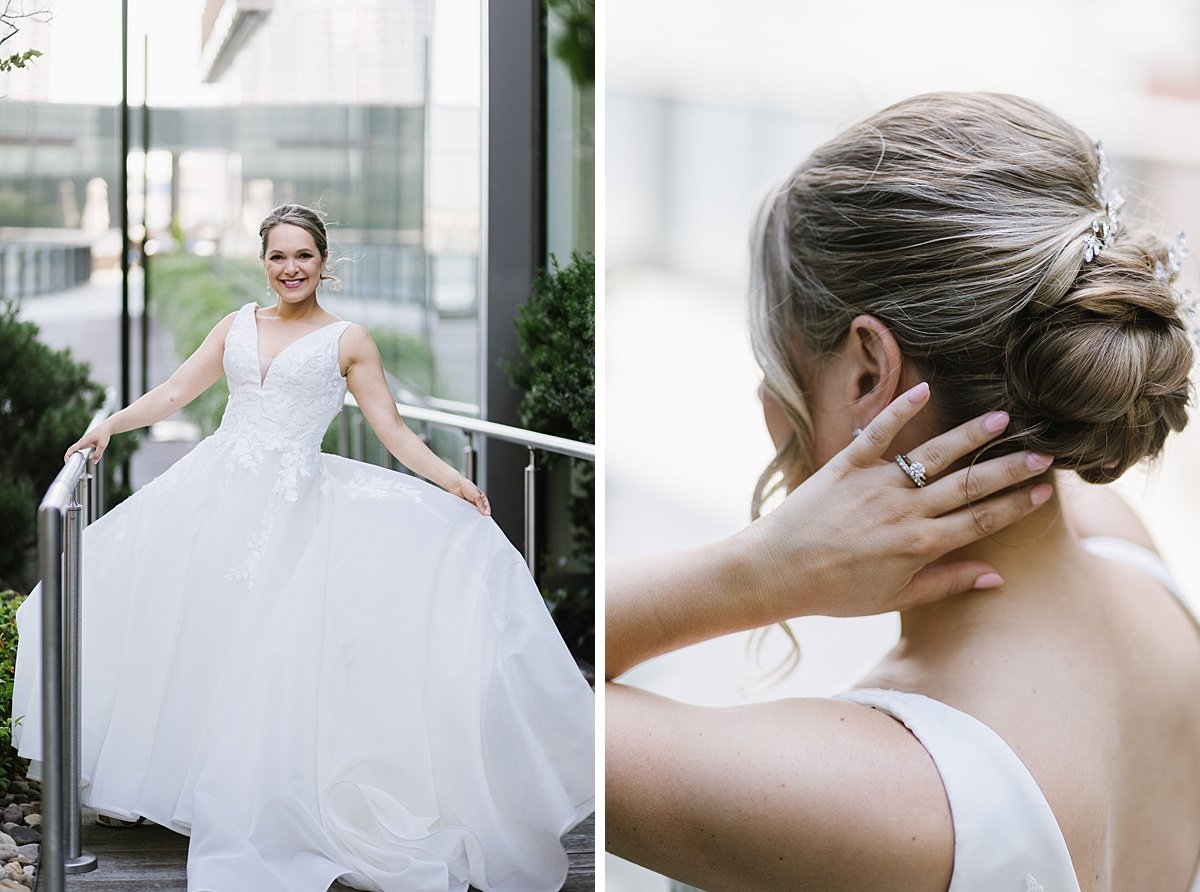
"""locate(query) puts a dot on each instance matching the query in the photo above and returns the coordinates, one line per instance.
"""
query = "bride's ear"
(875, 361)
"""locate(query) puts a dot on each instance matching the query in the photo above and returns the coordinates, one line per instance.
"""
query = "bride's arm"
(364, 376)
(198, 372)
(797, 794)
(852, 540)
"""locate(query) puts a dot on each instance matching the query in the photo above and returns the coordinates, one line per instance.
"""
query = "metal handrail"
(492, 429)
(350, 441)
(61, 849)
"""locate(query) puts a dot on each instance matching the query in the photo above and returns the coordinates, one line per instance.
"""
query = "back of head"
(962, 221)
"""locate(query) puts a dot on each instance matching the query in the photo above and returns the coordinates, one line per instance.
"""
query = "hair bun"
(1099, 376)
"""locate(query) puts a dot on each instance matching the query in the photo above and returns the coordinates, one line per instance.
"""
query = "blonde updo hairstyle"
(312, 222)
(959, 221)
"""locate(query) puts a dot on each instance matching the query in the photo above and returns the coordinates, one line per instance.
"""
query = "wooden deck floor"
(153, 859)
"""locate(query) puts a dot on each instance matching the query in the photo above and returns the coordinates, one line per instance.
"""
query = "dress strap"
(1006, 838)
(1144, 559)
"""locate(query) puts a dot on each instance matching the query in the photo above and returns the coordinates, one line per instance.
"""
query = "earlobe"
(878, 363)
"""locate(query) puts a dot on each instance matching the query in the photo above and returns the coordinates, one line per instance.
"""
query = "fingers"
(945, 449)
(937, 581)
(967, 524)
(469, 492)
(96, 446)
(866, 449)
(971, 484)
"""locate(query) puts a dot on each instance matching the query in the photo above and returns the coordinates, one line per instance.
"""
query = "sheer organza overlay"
(318, 668)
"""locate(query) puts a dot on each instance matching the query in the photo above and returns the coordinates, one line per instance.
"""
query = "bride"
(1041, 738)
(316, 668)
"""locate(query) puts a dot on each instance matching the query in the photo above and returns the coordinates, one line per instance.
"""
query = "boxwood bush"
(556, 335)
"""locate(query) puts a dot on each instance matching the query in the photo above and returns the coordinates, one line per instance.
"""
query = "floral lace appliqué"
(246, 570)
(376, 486)
(275, 425)
(1032, 885)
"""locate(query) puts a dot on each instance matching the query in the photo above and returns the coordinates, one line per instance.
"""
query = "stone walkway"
(153, 859)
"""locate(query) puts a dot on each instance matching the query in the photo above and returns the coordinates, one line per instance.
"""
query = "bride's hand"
(97, 438)
(869, 534)
(468, 491)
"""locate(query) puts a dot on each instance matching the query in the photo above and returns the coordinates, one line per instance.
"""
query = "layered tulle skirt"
(322, 669)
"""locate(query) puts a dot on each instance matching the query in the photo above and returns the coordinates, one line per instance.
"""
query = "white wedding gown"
(319, 668)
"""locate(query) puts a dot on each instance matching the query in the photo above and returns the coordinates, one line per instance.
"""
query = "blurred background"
(706, 106)
(450, 144)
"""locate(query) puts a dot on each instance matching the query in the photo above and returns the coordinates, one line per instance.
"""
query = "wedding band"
(915, 470)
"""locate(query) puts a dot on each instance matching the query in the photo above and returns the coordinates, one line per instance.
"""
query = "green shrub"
(407, 358)
(576, 46)
(556, 334)
(189, 295)
(46, 402)
(12, 767)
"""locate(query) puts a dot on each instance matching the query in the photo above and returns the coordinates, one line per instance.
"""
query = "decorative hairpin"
(1104, 228)
(1175, 255)
(1189, 312)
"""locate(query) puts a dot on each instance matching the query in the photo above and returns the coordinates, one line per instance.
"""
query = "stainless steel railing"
(60, 557)
(30, 267)
(350, 443)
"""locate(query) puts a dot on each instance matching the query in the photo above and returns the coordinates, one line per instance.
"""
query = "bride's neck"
(1035, 556)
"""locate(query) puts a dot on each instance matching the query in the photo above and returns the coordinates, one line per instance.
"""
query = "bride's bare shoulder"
(791, 794)
(357, 342)
(221, 329)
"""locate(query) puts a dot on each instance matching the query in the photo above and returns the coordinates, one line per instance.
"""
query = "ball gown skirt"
(318, 668)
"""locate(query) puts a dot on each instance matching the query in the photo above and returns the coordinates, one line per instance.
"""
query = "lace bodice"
(303, 388)
(274, 421)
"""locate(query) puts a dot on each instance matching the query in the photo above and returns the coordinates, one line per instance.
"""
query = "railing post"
(531, 513)
(356, 437)
(470, 456)
(51, 874)
(343, 432)
(101, 484)
(76, 860)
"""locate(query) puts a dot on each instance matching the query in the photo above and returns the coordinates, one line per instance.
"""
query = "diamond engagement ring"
(914, 469)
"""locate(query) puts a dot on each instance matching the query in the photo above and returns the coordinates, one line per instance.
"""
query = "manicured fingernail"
(1035, 461)
(1040, 493)
(989, 580)
(995, 422)
(920, 393)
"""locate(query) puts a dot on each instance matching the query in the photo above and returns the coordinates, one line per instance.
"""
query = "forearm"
(411, 451)
(662, 602)
(147, 409)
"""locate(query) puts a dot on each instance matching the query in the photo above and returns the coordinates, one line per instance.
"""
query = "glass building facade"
(342, 106)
